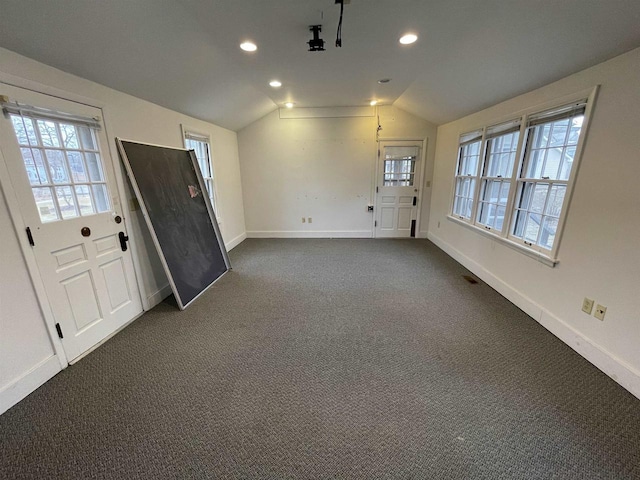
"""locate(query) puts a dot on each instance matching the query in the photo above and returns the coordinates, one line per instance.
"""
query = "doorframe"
(376, 178)
(19, 224)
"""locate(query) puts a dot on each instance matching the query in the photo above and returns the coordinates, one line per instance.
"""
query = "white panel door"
(397, 190)
(63, 177)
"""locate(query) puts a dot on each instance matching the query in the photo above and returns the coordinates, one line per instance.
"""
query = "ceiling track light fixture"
(316, 44)
(339, 33)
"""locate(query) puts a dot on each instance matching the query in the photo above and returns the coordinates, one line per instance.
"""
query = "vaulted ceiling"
(185, 55)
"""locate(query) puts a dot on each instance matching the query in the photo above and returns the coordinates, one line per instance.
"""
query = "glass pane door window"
(64, 167)
(399, 173)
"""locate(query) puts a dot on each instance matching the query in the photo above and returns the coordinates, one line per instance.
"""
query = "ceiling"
(184, 54)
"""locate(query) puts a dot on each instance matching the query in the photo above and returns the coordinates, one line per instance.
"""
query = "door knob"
(85, 231)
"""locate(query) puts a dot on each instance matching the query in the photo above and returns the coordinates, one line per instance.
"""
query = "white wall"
(598, 255)
(322, 168)
(24, 342)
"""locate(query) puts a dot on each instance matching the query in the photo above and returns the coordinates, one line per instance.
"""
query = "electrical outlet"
(600, 311)
(310, 220)
(587, 305)
(304, 219)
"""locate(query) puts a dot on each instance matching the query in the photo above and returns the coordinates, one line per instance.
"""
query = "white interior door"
(63, 177)
(397, 191)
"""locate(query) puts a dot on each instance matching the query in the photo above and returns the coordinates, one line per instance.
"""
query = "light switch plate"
(587, 305)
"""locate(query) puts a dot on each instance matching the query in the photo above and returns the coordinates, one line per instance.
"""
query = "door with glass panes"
(58, 162)
(398, 189)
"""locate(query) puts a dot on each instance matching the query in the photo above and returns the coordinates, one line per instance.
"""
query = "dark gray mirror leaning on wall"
(174, 201)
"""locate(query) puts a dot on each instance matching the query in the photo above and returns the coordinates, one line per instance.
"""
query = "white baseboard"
(29, 382)
(155, 298)
(619, 371)
(311, 234)
(231, 244)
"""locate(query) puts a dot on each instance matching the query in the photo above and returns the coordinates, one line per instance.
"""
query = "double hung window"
(466, 174)
(201, 145)
(552, 140)
(513, 180)
(501, 145)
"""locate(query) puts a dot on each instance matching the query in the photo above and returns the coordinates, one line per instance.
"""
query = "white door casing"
(89, 281)
(398, 181)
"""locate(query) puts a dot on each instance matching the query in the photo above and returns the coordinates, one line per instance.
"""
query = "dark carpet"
(330, 359)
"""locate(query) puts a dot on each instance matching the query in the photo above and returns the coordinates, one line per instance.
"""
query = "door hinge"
(375, 223)
(59, 330)
(378, 153)
(30, 237)
(415, 201)
(376, 189)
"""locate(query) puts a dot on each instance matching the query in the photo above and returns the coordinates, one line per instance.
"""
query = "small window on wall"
(64, 165)
(201, 145)
(400, 166)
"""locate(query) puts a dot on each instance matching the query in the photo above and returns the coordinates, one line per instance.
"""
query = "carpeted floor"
(330, 359)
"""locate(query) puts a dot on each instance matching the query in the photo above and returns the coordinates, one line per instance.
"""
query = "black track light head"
(316, 44)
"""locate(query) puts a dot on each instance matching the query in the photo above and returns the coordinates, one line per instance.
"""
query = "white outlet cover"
(587, 305)
(600, 312)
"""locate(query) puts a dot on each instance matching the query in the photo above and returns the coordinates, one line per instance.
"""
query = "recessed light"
(248, 46)
(289, 104)
(408, 38)
(275, 83)
(384, 80)
(373, 102)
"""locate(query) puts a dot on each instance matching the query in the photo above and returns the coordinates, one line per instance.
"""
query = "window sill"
(520, 248)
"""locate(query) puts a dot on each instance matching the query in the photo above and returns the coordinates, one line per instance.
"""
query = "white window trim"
(547, 257)
(186, 130)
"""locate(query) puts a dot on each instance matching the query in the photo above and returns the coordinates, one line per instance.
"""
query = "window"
(552, 140)
(400, 166)
(467, 174)
(64, 167)
(513, 179)
(500, 155)
(201, 146)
